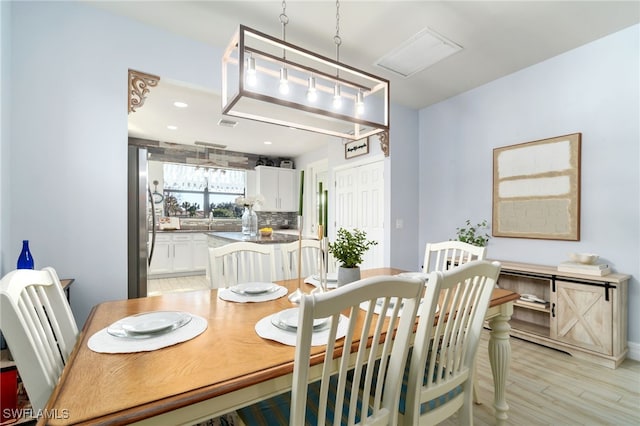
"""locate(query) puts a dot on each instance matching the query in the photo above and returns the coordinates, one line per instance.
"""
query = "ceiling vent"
(417, 53)
(227, 123)
(210, 145)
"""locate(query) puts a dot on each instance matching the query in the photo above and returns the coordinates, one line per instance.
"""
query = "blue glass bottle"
(25, 261)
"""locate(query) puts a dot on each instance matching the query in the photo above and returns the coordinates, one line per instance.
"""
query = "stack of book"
(598, 269)
(533, 301)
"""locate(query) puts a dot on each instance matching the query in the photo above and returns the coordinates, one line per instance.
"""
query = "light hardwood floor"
(171, 285)
(544, 387)
(549, 387)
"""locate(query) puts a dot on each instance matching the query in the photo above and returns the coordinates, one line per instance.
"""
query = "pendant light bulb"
(284, 81)
(251, 71)
(337, 97)
(359, 103)
(312, 93)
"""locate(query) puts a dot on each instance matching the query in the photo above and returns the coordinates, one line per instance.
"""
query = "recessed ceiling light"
(268, 142)
(179, 104)
(170, 127)
(227, 123)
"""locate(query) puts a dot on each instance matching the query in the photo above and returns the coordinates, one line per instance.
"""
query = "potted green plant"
(468, 234)
(348, 249)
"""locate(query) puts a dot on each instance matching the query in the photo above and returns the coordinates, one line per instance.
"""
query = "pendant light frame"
(264, 102)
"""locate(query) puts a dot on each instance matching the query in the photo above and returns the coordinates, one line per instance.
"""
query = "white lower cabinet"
(200, 251)
(179, 254)
(162, 259)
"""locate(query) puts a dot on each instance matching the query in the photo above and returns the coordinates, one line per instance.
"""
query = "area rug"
(230, 419)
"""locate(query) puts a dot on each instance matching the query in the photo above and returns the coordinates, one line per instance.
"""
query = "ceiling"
(498, 38)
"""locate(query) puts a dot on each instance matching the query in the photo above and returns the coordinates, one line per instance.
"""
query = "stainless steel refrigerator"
(141, 217)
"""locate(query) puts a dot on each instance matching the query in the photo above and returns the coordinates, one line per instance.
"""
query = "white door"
(360, 204)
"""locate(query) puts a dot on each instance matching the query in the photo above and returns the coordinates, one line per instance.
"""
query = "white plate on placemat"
(149, 324)
(332, 277)
(288, 320)
(255, 288)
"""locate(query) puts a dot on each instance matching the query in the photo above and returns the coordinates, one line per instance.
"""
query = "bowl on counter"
(265, 232)
(584, 258)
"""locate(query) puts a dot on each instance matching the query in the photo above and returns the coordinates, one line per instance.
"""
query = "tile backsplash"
(276, 220)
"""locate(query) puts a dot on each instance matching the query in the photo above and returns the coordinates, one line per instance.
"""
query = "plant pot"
(348, 275)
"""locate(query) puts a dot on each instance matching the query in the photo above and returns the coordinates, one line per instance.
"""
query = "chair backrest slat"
(447, 254)
(39, 327)
(241, 262)
(447, 337)
(341, 372)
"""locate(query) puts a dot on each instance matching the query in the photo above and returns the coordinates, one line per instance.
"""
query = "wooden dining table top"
(229, 355)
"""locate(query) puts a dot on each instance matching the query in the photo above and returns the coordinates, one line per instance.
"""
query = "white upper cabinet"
(277, 185)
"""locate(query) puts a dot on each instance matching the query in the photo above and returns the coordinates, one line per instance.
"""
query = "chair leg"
(474, 385)
(465, 413)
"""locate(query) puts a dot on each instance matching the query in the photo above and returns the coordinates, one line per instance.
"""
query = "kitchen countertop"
(275, 238)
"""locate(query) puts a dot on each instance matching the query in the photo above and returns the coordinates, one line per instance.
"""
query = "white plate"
(253, 288)
(149, 324)
(331, 277)
(288, 320)
(418, 275)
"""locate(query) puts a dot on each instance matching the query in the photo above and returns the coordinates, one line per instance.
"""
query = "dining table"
(226, 367)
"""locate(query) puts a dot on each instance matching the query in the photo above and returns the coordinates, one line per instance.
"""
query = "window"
(191, 191)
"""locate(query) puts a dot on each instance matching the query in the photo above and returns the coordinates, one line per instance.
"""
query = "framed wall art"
(356, 148)
(536, 189)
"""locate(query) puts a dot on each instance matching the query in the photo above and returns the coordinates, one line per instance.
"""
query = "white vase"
(348, 275)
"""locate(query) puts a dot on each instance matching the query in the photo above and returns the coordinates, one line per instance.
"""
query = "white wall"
(68, 137)
(594, 90)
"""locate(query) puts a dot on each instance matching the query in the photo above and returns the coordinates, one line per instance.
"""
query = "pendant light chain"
(284, 20)
(337, 40)
(284, 73)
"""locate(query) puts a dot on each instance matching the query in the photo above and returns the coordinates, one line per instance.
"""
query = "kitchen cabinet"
(278, 187)
(200, 251)
(162, 260)
(179, 254)
(586, 315)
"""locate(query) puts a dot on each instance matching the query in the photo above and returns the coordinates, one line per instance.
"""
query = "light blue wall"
(68, 139)
(594, 90)
(403, 189)
(5, 117)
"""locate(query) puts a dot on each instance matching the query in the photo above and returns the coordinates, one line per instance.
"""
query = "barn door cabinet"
(586, 315)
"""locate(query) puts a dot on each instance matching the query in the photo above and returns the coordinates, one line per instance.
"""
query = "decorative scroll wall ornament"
(536, 189)
(139, 83)
(384, 143)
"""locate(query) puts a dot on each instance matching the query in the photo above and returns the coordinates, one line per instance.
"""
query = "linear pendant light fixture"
(273, 81)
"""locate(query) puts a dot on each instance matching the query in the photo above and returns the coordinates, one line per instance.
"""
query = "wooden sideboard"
(586, 315)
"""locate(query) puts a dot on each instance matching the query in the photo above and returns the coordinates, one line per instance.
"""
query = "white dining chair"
(447, 254)
(38, 325)
(241, 262)
(439, 376)
(336, 395)
(310, 259)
